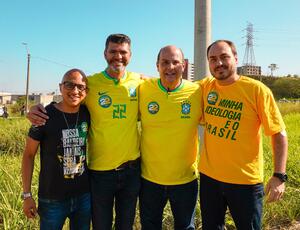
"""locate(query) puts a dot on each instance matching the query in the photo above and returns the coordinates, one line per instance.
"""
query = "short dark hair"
(71, 71)
(230, 43)
(117, 38)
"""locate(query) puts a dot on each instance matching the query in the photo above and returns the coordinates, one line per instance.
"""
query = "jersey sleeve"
(269, 113)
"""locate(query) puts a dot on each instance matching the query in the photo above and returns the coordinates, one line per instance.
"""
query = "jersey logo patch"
(105, 101)
(132, 91)
(212, 98)
(153, 107)
(84, 127)
(185, 107)
(102, 93)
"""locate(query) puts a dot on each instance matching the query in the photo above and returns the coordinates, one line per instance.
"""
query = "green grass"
(288, 209)
(11, 214)
(12, 135)
(288, 108)
(12, 139)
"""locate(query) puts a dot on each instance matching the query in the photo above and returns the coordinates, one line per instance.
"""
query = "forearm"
(280, 152)
(27, 171)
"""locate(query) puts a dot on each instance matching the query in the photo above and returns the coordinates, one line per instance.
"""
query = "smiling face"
(170, 65)
(73, 90)
(117, 56)
(222, 62)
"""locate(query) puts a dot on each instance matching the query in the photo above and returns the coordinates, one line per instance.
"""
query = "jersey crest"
(185, 107)
(212, 98)
(153, 107)
(105, 101)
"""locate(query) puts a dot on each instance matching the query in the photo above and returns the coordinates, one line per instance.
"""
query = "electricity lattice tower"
(249, 66)
(249, 58)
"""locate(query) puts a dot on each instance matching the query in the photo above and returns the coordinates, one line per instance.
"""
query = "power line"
(54, 62)
(60, 64)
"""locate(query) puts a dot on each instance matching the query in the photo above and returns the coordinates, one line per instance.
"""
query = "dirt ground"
(294, 226)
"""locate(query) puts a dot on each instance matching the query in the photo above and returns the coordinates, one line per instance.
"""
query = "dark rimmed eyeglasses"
(70, 86)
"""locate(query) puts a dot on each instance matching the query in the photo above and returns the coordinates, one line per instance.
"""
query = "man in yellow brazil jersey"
(113, 147)
(170, 110)
(231, 162)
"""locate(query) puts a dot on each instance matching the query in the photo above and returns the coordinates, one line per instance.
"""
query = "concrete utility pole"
(27, 78)
(202, 36)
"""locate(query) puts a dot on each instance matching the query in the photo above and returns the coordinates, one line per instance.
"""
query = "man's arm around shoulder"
(37, 115)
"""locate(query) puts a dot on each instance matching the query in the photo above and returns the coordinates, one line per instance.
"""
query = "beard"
(117, 69)
(120, 67)
(222, 72)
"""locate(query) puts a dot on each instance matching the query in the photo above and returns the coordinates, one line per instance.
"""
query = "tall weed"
(12, 138)
(11, 214)
(12, 135)
(288, 108)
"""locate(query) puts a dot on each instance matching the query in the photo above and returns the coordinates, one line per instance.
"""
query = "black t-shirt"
(63, 171)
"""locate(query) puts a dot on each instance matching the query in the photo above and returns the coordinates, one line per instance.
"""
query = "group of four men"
(162, 166)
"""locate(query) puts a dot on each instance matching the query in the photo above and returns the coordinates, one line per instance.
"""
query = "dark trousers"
(153, 199)
(53, 213)
(114, 188)
(244, 203)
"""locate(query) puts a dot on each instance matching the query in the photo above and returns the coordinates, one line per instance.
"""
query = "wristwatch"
(26, 195)
(281, 176)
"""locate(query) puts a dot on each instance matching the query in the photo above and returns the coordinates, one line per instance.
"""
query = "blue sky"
(62, 34)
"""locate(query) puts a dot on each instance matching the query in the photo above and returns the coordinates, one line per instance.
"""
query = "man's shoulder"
(206, 81)
(133, 76)
(190, 83)
(250, 82)
(149, 83)
(94, 76)
(83, 108)
(51, 108)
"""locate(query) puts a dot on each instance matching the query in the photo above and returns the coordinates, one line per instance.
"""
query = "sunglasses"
(70, 86)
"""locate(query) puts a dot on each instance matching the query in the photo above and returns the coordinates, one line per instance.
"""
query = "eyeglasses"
(70, 86)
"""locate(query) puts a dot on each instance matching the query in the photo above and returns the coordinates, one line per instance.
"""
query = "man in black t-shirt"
(63, 180)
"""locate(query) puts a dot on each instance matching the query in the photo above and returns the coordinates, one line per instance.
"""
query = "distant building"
(44, 99)
(188, 73)
(249, 66)
(5, 98)
(249, 70)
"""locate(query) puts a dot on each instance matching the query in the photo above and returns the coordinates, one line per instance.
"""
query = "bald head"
(73, 73)
(170, 48)
(170, 65)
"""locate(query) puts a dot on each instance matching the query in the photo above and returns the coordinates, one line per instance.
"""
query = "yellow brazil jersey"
(233, 116)
(113, 106)
(169, 141)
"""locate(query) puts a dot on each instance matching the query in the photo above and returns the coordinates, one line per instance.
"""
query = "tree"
(19, 106)
(286, 87)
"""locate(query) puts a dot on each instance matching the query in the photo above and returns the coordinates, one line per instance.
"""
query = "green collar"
(112, 78)
(167, 91)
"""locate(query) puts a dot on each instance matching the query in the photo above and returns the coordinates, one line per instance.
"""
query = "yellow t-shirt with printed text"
(233, 116)
(113, 106)
(169, 139)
